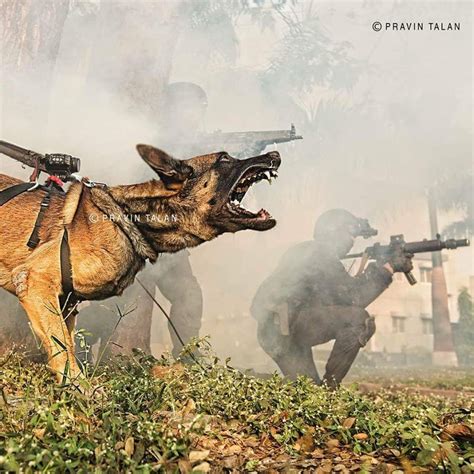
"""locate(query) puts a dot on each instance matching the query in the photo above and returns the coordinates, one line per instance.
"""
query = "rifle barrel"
(435, 245)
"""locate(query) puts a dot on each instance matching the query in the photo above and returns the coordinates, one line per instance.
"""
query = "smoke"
(384, 116)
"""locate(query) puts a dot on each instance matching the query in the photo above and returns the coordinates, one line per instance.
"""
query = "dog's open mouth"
(252, 175)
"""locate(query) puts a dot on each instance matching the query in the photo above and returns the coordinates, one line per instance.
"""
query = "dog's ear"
(171, 171)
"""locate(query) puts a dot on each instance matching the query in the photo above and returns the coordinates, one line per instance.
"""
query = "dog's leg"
(38, 287)
(44, 313)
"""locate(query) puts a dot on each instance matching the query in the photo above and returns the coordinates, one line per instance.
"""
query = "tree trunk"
(443, 346)
(30, 37)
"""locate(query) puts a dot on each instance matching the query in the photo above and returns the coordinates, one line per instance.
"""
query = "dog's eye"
(224, 157)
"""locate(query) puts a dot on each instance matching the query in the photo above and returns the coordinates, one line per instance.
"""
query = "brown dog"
(113, 231)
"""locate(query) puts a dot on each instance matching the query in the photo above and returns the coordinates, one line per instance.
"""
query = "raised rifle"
(245, 144)
(397, 242)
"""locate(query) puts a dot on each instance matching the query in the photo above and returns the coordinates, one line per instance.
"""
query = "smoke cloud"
(385, 115)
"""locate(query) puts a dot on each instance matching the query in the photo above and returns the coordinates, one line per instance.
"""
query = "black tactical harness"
(13, 191)
(68, 299)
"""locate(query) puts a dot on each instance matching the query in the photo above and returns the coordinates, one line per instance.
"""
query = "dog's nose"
(275, 157)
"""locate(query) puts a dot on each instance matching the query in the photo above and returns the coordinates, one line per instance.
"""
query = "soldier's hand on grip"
(400, 261)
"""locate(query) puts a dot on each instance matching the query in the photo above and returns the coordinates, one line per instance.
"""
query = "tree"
(30, 37)
(454, 192)
(464, 334)
(443, 344)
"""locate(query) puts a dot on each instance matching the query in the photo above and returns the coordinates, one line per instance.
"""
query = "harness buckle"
(36, 185)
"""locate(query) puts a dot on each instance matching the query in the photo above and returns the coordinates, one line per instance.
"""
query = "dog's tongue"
(263, 214)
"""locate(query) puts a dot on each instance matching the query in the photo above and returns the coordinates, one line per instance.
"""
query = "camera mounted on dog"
(59, 165)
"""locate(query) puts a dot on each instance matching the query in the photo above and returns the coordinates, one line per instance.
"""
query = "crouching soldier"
(310, 299)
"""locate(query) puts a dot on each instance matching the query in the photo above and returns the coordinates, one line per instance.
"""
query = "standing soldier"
(180, 125)
(181, 132)
(310, 299)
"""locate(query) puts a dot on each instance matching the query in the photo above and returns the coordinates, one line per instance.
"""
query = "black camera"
(61, 165)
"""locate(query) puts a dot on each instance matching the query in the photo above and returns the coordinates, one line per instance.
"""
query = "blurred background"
(386, 119)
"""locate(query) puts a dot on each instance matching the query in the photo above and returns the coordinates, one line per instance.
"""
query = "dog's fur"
(113, 231)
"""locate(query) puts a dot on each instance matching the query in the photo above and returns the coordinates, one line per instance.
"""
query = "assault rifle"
(397, 242)
(245, 144)
(56, 164)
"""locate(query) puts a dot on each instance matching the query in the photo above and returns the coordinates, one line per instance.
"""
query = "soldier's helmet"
(337, 222)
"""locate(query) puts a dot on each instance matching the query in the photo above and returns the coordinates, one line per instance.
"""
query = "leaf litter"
(161, 415)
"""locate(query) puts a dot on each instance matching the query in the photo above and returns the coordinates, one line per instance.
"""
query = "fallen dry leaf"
(305, 443)
(163, 371)
(184, 466)
(274, 432)
(317, 453)
(332, 443)
(198, 456)
(361, 436)
(349, 422)
(324, 469)
(282, 458)
(458, 431)
(39, 432)
(234, 449)
(203, 467)
(129, 446)
(231, 462)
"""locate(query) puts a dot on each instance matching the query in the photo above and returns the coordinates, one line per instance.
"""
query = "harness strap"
(34, 239)
(66, 270)
(68, 299)
(14, 191)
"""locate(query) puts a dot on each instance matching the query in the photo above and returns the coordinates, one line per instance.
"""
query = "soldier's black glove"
(400, 261)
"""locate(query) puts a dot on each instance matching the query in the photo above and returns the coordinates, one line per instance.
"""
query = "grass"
(159, 415)
(429, 377)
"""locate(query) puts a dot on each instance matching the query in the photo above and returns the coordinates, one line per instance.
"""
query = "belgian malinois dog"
(113, 231)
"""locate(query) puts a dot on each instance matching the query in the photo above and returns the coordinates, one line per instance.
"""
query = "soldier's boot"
(354, 334)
